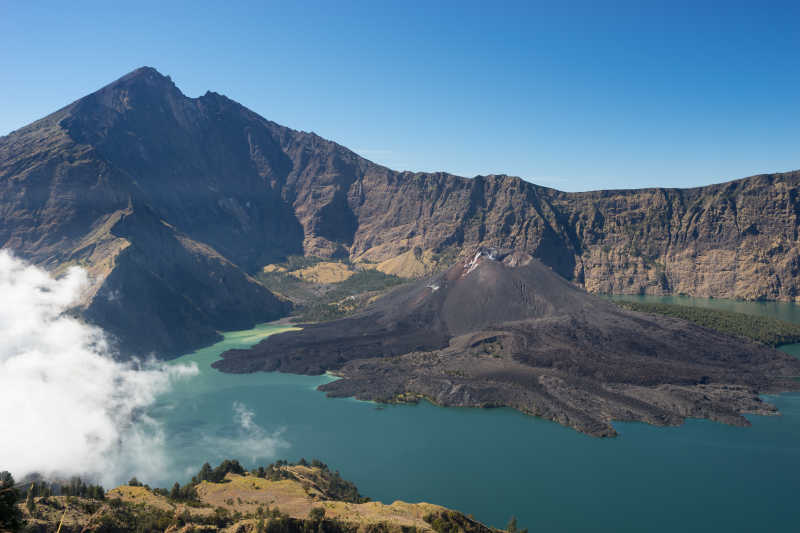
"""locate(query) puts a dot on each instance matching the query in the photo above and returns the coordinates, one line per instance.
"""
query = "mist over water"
(68, 407)
(211, 416)
(246, 440)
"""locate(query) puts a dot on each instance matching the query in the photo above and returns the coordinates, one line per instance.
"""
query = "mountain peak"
(144, 77)
(144, 93)
(147, 73)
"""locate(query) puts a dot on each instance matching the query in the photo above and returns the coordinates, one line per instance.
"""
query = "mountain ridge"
(252, 192)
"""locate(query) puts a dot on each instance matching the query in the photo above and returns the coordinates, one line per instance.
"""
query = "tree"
(188, 492)
(184, 518)
(205, 473)
(228, 465)
(222, 517)
(316, 514)
(95, 492)
(134, 482)
(512, 526)
(175, 493)
(10, 516)
(30, 504)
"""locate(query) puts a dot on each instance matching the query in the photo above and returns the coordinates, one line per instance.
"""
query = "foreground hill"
(283, 498)
(173, 203)
(505, 330)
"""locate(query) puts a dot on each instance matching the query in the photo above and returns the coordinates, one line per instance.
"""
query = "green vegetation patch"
(319, 302)
(348, 297)
(364, 281)
(766, 330)
(447, 521)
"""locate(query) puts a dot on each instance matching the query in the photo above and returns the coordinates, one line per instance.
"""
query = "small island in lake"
(501, 329)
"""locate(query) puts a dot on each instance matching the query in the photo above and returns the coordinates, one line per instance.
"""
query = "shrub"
(316, 514)
(766, 330)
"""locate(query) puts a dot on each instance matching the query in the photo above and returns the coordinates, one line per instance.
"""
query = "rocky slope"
(502, 329)
(229, 192)
(151, 192)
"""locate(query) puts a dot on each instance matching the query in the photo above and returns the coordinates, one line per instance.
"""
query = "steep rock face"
(732, 240)
(177, 290)
(203, 164)
(249, 192)
(436, 211)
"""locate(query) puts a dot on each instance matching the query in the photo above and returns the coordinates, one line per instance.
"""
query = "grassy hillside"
(280, 498)
(766, 330)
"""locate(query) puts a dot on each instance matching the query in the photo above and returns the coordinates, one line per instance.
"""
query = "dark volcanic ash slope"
(507, 331)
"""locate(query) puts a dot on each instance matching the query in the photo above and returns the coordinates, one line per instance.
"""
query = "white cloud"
(249, 441)
(67, 407)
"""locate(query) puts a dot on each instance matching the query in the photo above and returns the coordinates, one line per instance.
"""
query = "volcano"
(502, 329)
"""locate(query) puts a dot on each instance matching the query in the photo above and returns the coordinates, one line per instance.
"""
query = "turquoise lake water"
(702, 476)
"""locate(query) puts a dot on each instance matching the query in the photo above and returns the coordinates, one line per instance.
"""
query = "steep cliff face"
(246, 192)
(732, 240)
(399, 212)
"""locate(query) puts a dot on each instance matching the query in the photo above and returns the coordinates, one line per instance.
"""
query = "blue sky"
(572, 95)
